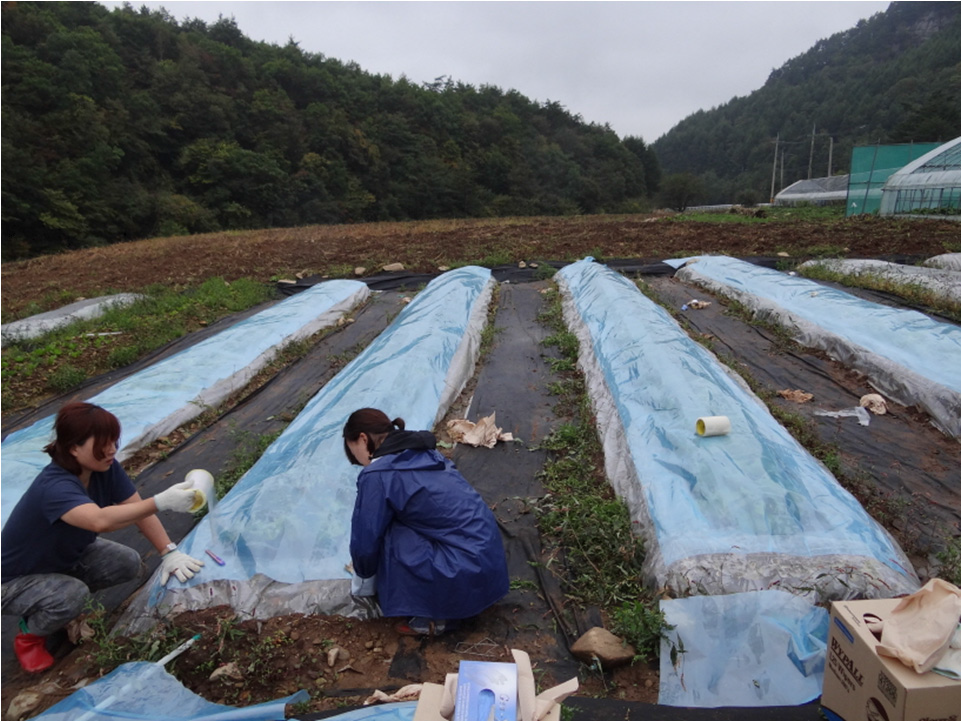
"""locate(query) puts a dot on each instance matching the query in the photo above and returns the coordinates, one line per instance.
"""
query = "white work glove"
(180, 565)
(363, 586)
(179, 497)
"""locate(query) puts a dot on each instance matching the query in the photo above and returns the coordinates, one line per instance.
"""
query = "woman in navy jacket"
(420, 528)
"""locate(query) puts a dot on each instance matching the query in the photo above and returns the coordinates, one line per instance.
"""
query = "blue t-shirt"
(36, 540)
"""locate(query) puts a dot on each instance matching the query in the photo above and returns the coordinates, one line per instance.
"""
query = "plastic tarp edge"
(146, 691)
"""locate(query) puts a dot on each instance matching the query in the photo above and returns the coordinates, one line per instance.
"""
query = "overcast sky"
(640, 67)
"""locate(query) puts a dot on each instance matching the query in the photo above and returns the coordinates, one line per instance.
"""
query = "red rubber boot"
(32, 652)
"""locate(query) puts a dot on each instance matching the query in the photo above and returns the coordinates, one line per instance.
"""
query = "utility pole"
(774, 166)
(831, 144)
(811, 152)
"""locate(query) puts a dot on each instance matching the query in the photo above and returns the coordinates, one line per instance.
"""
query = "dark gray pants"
(47, 602)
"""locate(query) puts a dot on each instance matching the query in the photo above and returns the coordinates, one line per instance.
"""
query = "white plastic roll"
(713, 426)
(203, 482)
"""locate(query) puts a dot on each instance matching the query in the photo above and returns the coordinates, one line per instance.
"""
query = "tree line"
(893, 78)
(126, 124)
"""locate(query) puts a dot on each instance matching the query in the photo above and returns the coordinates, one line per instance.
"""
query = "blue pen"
(216, 558)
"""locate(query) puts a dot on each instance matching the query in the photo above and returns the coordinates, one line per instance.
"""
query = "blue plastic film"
(146, 691)
(172, 391)
(721, 514)
(905, 354)
(754, 649)
(287, 520)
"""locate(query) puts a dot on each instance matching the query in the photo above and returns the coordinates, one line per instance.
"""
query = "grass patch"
(498, 257)
(581, 514)
(769, 214)
(64, 358)
(782, 339)
(490, 331)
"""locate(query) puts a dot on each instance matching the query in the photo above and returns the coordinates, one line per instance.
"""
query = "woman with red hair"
(53, 557)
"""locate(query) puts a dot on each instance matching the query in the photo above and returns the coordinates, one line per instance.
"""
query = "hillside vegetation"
(893, 78)
(125, 124)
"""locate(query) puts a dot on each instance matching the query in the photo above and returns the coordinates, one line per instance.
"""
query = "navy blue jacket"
(426, 533)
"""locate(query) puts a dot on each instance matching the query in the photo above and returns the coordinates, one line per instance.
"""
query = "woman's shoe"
(32, 653)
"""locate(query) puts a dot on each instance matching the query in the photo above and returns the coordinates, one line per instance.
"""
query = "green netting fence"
(871, 167)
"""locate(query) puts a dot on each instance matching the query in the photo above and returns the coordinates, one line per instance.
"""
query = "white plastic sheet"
(884, 343)
(146, 691)
(755, 649)
(41, 323)
(169, 393)
(746, 511)
(940, 282)
(283, 531)
(947, 261)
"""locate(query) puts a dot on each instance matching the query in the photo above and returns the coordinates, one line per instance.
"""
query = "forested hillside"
(893, 78)
(127, 124)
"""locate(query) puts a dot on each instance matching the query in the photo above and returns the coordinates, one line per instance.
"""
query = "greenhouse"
(817, 191)
(928, 184)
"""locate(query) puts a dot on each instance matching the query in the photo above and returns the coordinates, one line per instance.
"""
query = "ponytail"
(372, 422)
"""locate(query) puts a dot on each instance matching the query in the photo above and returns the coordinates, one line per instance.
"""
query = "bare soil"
(342, 662)
(424, 247)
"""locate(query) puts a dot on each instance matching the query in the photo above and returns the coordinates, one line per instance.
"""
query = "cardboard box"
(487, 691)
(861, 685)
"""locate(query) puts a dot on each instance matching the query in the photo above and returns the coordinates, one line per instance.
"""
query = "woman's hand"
(180, 565)
(180, 497)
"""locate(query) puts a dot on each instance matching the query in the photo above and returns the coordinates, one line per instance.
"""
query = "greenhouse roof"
(815, 189)
(939, 167)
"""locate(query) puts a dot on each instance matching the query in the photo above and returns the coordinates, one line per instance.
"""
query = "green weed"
(523, 584)
(498, 257)
(567, 344)
(827, 250)
(110, 651)
(65, 378)
(581, 514)
(247, 450)
(544, 272)
(643, 626)
(948, 558)
(63, 358)
(343, 270)
(783, 342)
(490, 331)
(772, 214)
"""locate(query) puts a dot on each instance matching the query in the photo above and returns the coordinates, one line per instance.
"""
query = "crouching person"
(420, 528)
(52, 555)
